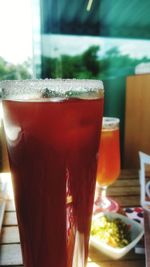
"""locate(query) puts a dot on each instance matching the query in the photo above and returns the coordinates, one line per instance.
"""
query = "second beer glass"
(108, 163)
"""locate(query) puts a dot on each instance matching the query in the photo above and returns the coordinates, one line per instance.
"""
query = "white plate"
(136, 229)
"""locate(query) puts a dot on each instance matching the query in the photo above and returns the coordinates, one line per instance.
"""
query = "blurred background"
(99, 39)
(94, 39)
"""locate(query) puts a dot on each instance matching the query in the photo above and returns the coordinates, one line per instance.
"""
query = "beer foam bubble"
(110, 123)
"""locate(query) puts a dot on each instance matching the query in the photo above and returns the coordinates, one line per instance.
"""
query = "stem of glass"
(101, 199)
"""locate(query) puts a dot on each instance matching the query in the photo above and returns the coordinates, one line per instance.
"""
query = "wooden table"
(126, 191)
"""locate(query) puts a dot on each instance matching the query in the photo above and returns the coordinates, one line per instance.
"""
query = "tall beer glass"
(108, 163)
(52, 130)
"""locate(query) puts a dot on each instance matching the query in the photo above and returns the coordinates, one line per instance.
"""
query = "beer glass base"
(113, 207)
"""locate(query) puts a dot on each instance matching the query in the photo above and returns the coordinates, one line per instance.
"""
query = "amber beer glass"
(52, 131)
(108, 162)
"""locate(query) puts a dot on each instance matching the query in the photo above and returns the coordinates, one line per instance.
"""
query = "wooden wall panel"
(137, 119)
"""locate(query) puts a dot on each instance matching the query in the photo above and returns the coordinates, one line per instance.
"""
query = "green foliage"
(90, 65)
(81, 66)
(90, 60)
(114, 64)
(14, 72)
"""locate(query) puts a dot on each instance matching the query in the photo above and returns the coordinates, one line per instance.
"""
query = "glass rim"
(110, 123)
(53, 87)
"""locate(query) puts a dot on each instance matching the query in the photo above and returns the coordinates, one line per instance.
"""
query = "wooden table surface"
(125, 190)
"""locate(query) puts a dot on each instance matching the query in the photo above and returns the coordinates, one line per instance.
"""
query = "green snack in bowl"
(112, 231)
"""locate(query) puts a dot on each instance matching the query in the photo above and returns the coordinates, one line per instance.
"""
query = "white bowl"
(136, 229)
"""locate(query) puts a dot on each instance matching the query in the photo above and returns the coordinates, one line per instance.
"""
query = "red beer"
(52, 149)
